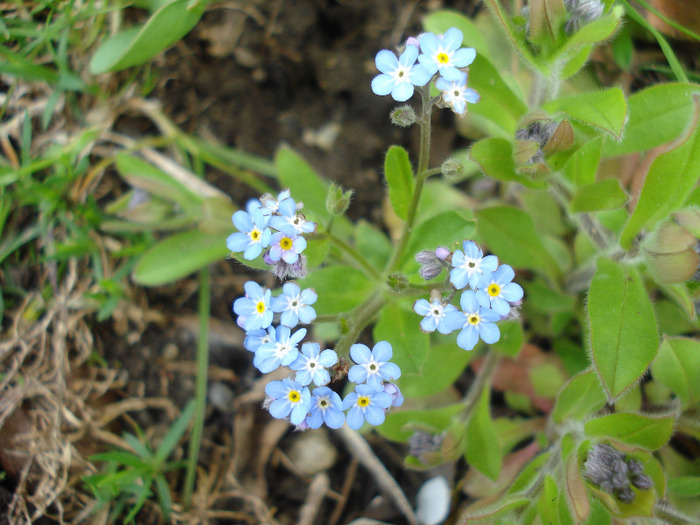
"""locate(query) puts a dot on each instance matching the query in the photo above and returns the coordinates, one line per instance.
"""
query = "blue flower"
(373, 367)
(311, 364)
(366, 403)
(254, 307)
(470, 265)
(286, 247)
(456, 94)
(270, 205)
(475, 320)
(290, 222)
(288, 398)
(434, 313)
(443, 53)
(398, 76)
(282, 351)
(253, 234)
(294, 305)
(255, 338)
(496, 289)
(326, 407)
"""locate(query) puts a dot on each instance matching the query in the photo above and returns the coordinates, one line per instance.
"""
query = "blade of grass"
(663, 44)
(666, 19)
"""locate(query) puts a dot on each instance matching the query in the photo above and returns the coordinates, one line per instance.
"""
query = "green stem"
(360, 318)
(488, 367)
(421, 174)
(354, 254)
(668, 514)
(201, 382)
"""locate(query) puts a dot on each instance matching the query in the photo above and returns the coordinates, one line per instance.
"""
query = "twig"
(359, 448)
(317, 491)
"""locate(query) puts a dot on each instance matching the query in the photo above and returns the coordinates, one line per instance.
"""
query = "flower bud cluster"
(426, 57)
(272, 335)
(615, 473)
(489, 299)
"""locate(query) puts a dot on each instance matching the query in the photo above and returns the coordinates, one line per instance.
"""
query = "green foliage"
(399, 177)
(646, 432)
(481, 447)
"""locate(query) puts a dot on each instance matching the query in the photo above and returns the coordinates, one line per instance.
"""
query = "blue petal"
(442, 84)
(450, 73)
(420, 75)
(237, 242)
(503, 275)
(489, 263)
(390, 371)
(315, 419)
(360, 354)
(472, 250)
(489, 333)
(280, 408)
(459, 106)
(489, 315)
(512, 292)
(349, 400)
(381, 399)
(382, 84)
(452, 39)
(386, 61)
(463, 57)
(374, 382)
(422, 307)
(328, 358)
(321, 377)
(309, 296)
(428, 324)
(453, 320)
(468, 302)
(471, 96)
(303, 377)
(252, 251)
(290, 357)
(276, 389)
(468, 337)
(409, 56)
(287, 207)
(459, 277)
(355, 418)
(298, 413)
(500, 306)
(307, 314)
(267, 365)
(357, 374)
(243, 306)
(374, 415)
(402, 91)
(289, 318)
(242, 221)
(428, 43)
(382, 351)
(334, 418)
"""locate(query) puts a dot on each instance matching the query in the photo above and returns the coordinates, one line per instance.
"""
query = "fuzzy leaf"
(399, 177)
(623, 334)
(647, 432)
(605, 110)
(339, 288)
(582, 166)
(401, 425)
(580, 397)
(678, 367)
(670, 179)
(447, 229)
(482, 448)
(604, 195)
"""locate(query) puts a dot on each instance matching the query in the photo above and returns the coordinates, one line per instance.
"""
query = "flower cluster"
(423, 58)
(489, 299)
(276, 226)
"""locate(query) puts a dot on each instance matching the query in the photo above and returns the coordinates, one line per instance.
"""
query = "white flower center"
(402, 74)
(472, 265)
(372, 367)
(436, 311)
(323, 403)
(282, 349)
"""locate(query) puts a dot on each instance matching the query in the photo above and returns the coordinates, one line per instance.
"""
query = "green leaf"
(546, 21)
(580, 397)
(511, 234)
(511, 340)
(399, 177)
(582, 166)
(482, 449)
(372, 243)
(446, 229)
(139, 44)
(339, 288)
(678, 367)
(604, 195)
(623, 334)
(179, 255)
(515, 36)
(605, 110)
(400, 426)
(688, 486)
(444, 363)
(400, 325)
(495, 157)
(651, 122)
(175, 433)
(305, 184)
(596, 31)
(647, 432)
(670, 179)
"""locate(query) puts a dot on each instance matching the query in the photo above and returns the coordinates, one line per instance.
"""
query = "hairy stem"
(360, 318)
(355, 255)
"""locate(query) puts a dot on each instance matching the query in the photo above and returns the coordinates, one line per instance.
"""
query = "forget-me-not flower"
(366, 403)
(444, 54)
(456, 94)
(294, 305)
(373, 367)
(288, 398)
(254, 307)
(434, 313)
(497, 288)
(270, 205)
(286, 247)
(289, 221)
(476, 321)
(283, 351)
(255, 338)
(253, 234)
(399, 75)
(326, 407)
(311, 364)
(469, 265)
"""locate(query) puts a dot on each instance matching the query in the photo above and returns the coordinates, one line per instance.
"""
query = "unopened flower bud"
(337, 199)
(442, 253)
(689, 218)
(625, 495)
(395, 393)
(452, 169)
(403, 116)
(671, 253)
(430, 265)
(581, 12)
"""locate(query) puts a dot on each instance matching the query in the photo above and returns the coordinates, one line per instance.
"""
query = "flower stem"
(422, 173)
(201, 382)
(360, 318)
(488, 367)
(354, 254)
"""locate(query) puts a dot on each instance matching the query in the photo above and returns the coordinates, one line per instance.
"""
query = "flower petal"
(359, 353)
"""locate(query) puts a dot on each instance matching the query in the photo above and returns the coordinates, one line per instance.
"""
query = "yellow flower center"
(363, 401)
(286, 243)
(294, 396)
(255, 234)
(494, 290)
(473, 319)
(260, 307)
(443, 58)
